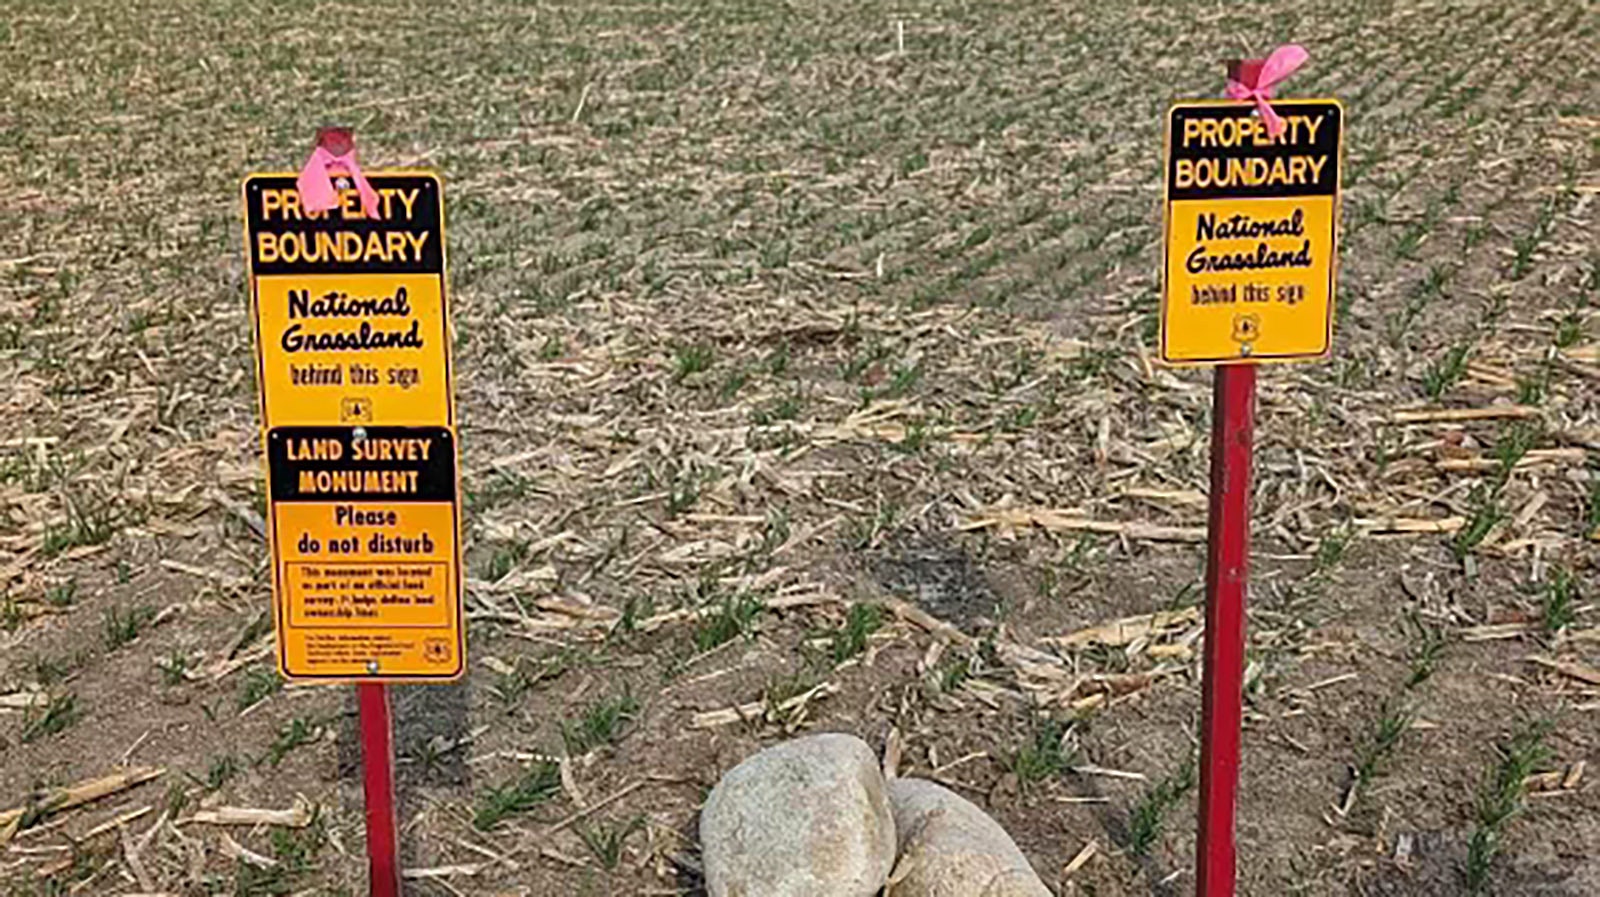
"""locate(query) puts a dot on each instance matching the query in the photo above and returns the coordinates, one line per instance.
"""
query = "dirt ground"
(805, 383)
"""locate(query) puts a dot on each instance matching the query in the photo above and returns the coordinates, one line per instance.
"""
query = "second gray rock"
(950, 848)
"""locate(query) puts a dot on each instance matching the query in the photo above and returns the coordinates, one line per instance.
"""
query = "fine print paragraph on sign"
(1251, 232)
(351, 313)
(366, 556)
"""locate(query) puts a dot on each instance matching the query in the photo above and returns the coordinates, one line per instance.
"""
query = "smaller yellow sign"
(1251, 233)
(365, 551)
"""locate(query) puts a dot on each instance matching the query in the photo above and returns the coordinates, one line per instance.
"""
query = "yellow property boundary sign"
(352, 336)
(1251, 233)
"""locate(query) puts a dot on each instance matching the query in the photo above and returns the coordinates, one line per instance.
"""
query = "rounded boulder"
(803, 818)
(950, 848)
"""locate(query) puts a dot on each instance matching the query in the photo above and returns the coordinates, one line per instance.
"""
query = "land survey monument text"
(1251, 232)
(365, 527)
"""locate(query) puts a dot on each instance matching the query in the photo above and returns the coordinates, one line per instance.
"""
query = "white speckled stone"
(950, 848)
(804, 818)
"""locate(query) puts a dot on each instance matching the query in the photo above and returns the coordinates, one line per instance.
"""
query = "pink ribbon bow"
(316, 180)
(1253, 79)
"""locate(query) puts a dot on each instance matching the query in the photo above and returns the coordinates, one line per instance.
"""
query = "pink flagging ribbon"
(316, 182)
(1257, 77)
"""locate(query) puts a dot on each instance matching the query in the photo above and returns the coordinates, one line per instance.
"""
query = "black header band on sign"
(422, 224)
(390, 464)
(1325, 147)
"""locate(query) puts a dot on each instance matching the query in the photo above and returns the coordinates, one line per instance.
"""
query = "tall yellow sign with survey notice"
(1252, 223)
(352, 335)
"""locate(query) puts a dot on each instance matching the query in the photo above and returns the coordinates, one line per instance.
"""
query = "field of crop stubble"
(806, 385)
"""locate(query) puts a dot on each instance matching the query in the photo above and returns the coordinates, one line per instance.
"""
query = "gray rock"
(950, 848)
(804, 818)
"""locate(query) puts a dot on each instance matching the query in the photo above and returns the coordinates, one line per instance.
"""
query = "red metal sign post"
(1227, 574)
(377, 727)
(377, 765)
